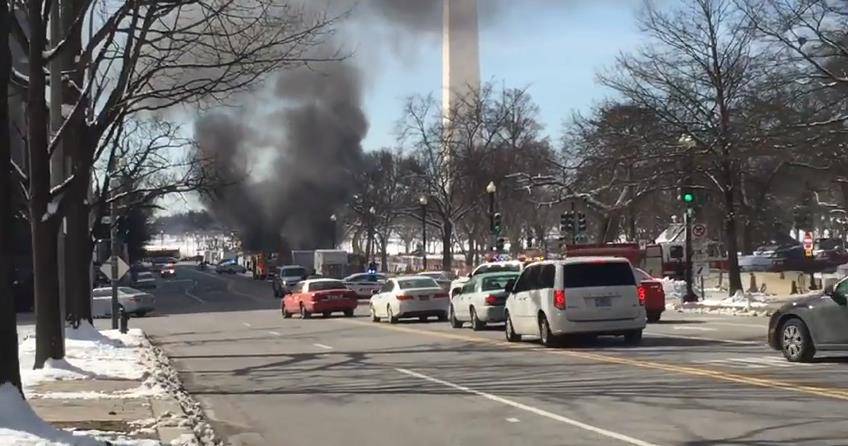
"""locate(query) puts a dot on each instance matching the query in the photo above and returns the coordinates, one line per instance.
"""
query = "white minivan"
(582, 295)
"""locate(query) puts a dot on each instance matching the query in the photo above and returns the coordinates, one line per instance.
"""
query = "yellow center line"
(828, 392)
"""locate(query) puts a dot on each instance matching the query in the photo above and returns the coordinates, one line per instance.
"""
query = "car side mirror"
(510, 284)
(456, 291)
(375, 292)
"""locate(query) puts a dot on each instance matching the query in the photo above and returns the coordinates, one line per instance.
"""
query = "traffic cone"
(753, 284)
(794, 288)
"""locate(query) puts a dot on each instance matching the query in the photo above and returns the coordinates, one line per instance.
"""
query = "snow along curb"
(192, 421)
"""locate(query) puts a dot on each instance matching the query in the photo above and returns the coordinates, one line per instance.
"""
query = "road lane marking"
(512, 420)
(246, 324)
(274, 333)
(325, 347)
(686, 327)
(531, 409)
(193, 296)
(829, 392)
(699, 338)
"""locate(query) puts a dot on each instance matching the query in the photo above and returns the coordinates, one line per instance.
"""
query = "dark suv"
(814, 323)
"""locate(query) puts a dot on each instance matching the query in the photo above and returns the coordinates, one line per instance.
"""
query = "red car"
(652, 293)
(324, 296)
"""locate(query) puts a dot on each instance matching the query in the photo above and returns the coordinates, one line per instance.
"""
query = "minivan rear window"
(581, 275)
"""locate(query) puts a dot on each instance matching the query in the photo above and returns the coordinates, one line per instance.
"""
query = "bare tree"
(9, 366)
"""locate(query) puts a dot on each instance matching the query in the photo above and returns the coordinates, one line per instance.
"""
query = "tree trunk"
(48, 318)
(9, 362)
(384, 253)
(747, 243)
(447, 251)
(735, 280)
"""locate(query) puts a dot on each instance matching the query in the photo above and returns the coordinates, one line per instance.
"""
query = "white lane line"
(191, 295)
(686, 327)
(325, 347)
(246, 324)
(698, 338)
(531, 409)
(274, 333)
(512, 420)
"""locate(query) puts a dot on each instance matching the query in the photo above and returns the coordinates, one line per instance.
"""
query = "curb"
(176, 434)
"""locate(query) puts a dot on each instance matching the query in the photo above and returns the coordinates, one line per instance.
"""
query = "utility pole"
(116, 252)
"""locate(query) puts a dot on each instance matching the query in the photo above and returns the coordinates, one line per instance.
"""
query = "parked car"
(144, 281)
(812, 324)
(488, 267)
(324, 296)
(365, 284)
(230, 267)
(168, 270)
(481, 300)
(581, 295)
(133, 301)
(408, 297)
(652, 292)
(443, 278)
(286, 278)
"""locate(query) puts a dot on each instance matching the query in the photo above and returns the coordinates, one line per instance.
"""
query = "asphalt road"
(695, 380)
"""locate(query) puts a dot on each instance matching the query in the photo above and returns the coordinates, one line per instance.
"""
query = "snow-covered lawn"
(715, 300)
(89, 355)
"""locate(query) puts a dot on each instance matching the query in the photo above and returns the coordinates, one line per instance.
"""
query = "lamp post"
(423, 202)
(333, 220)
(370, 247)
(491, 189)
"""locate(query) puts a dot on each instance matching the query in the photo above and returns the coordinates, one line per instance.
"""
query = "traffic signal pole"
(690, 293)
(573, 224)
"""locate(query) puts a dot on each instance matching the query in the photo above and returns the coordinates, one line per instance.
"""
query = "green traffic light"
(688, 197)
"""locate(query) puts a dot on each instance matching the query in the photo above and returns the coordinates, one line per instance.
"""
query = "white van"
(582, 295)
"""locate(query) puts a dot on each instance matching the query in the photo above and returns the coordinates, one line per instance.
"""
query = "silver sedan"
(481, 300)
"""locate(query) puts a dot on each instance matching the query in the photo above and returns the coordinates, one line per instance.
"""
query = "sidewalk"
(111, 387)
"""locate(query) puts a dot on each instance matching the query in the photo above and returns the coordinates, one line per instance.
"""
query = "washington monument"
(460, 52)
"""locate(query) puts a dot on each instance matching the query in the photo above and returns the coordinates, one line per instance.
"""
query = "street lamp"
(333, 219)
(491, 189)
(422, 200)
(369, 249)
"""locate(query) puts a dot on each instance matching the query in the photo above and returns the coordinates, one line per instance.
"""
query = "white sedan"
(510, 266)
(408, 297)
(133, 301)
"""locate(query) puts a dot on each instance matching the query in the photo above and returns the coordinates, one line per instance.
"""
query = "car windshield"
(423, 282)
(293, 272)
(366, 278)
(436, 276)
(642, 275)
(326, 285)
(102, 292)
(497, 282)
(597, 274)
(498, 268)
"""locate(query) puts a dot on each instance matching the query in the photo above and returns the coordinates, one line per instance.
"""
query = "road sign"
(106, 268)
(699, 230)
(808, 244)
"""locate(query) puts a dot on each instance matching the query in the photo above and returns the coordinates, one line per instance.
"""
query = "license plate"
(334, 297)
(424, 298)
(603, 301)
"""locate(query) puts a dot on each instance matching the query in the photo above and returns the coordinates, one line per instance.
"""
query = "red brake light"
(491, 300)
(643, 294)
(559, 299)
(404, 297)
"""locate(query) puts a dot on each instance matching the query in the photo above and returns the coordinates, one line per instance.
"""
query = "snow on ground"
(22, 427)
(89, 354)
(715, 300)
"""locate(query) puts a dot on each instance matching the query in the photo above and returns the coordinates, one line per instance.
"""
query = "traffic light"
(499, 245)
(581, 223)
(566, 222)
(497, 225)
(687, 196)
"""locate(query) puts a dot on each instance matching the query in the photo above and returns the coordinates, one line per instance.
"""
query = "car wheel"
(633, 337)
(348, 313)
(286, 314)
(476, 323)
(326, 314)
(391, 316)
(795, 341)
(443, 316)
(511, 336)
(654, 316)
(548, 339)
(422, 318)
(374, 317)
(140, 314)
(304, 314)
(454, 322)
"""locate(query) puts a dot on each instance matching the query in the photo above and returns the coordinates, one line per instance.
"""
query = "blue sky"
(554, 51)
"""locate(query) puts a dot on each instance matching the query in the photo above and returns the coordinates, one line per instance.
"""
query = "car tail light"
(317, 297)
(559, 299)
(404, 297)
(135, 299)
(440, 295)
(491, 300)
(643, 294)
